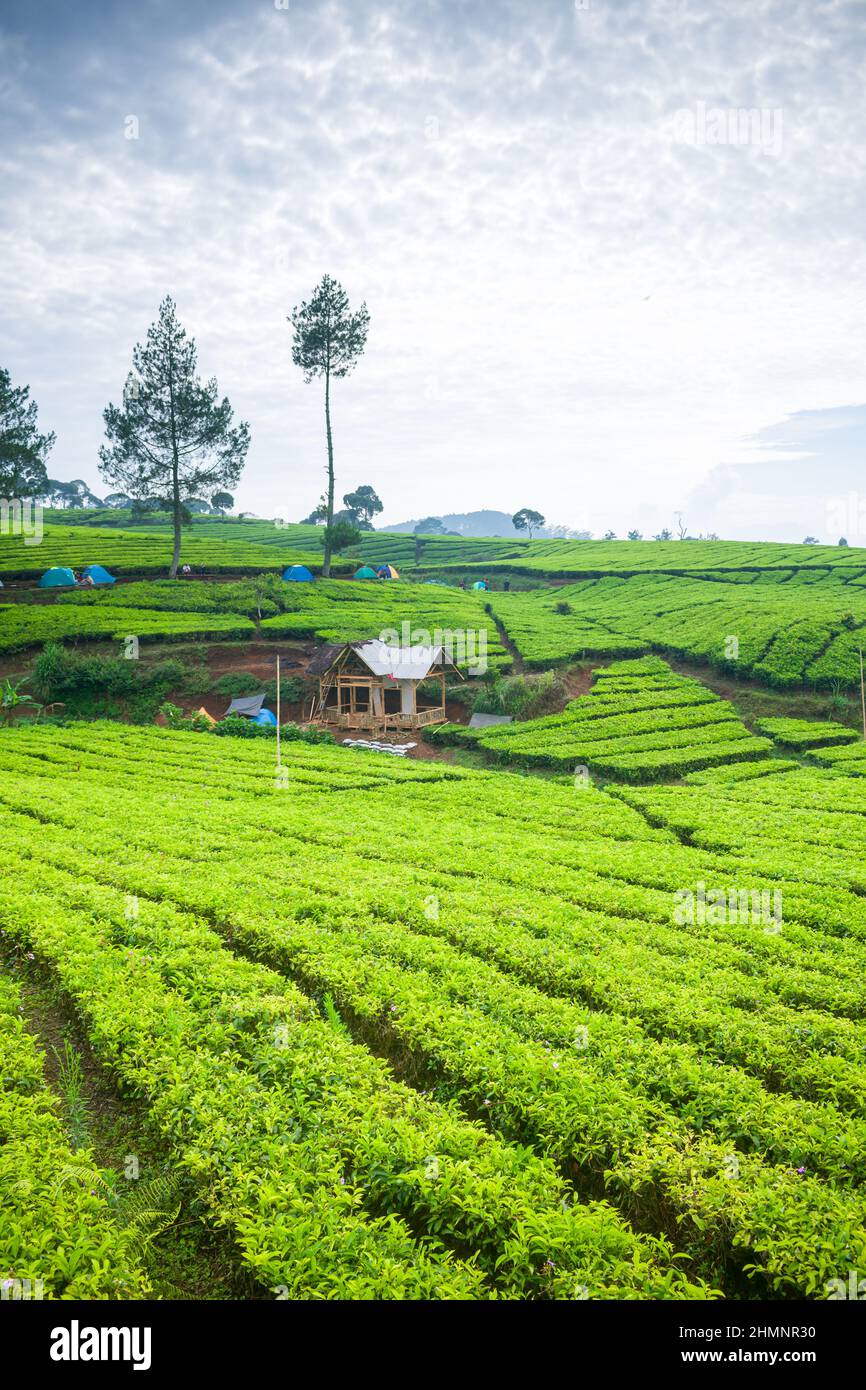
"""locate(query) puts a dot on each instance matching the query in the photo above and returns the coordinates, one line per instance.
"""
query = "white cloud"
(570, 309)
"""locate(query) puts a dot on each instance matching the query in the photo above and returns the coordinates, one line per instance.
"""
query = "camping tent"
(56, 578)
(479, 584)
(99, 575)
(387, 572)
(265, 719)
(364, 573)
(299, 573)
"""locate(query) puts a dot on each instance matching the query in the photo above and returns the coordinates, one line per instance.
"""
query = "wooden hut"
(368, 685)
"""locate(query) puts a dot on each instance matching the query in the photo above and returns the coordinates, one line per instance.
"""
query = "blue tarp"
(265, 718)
(299, 573)
(99, 575)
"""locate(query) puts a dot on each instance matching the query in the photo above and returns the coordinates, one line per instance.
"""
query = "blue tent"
(479, 584)
(299, 573)
(265, 719)
(99, 575)
(56, 578)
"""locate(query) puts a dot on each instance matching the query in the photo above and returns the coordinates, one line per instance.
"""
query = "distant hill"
(484, 523)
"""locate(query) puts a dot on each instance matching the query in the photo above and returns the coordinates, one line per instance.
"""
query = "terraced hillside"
(782, 627)
(482, 1055)
(230, 544)
(784, 616)
(243, 547)
(640, 722)
(329, 610)
(26, 625)
(597, 558)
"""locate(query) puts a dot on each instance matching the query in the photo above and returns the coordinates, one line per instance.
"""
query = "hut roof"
(401, 663)
(324, 657)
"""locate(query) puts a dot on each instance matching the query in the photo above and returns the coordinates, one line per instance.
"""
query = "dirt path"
(517, 662)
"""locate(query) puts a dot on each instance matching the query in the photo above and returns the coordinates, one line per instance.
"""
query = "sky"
(613, 252)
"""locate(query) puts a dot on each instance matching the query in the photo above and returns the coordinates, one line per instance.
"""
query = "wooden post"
(862, 694)
(278, 710)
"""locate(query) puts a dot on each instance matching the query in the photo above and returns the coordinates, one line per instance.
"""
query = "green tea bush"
(806, 733)
(513, 941)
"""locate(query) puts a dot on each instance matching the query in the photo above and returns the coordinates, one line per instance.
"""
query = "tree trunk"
(329, 518)
(175, 559)
(175, 468)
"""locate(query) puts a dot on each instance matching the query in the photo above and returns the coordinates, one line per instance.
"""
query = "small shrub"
(523, 696)
(238, 726)
(176, 719)
(196, 681)
(237, 683)
(293, 689)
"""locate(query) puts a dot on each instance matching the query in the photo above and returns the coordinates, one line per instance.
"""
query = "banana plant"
(12, 698)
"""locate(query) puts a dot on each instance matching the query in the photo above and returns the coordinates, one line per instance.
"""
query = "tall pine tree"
(23, 450)
(171, 438)
(328, 341)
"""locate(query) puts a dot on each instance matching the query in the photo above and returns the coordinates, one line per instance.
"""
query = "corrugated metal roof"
(483, 721)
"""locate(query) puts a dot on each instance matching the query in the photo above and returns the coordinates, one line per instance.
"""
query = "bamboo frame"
(342, 677)
(348, 710)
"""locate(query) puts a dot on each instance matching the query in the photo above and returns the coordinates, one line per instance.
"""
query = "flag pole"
(278, 710)
(862, 694)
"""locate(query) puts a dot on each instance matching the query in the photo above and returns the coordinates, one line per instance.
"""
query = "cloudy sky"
(597, 285)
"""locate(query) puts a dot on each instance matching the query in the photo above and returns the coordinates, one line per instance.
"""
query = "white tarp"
(403, 663)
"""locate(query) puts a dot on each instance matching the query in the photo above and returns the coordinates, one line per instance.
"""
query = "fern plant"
(143, 1211)
(332, 1014)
